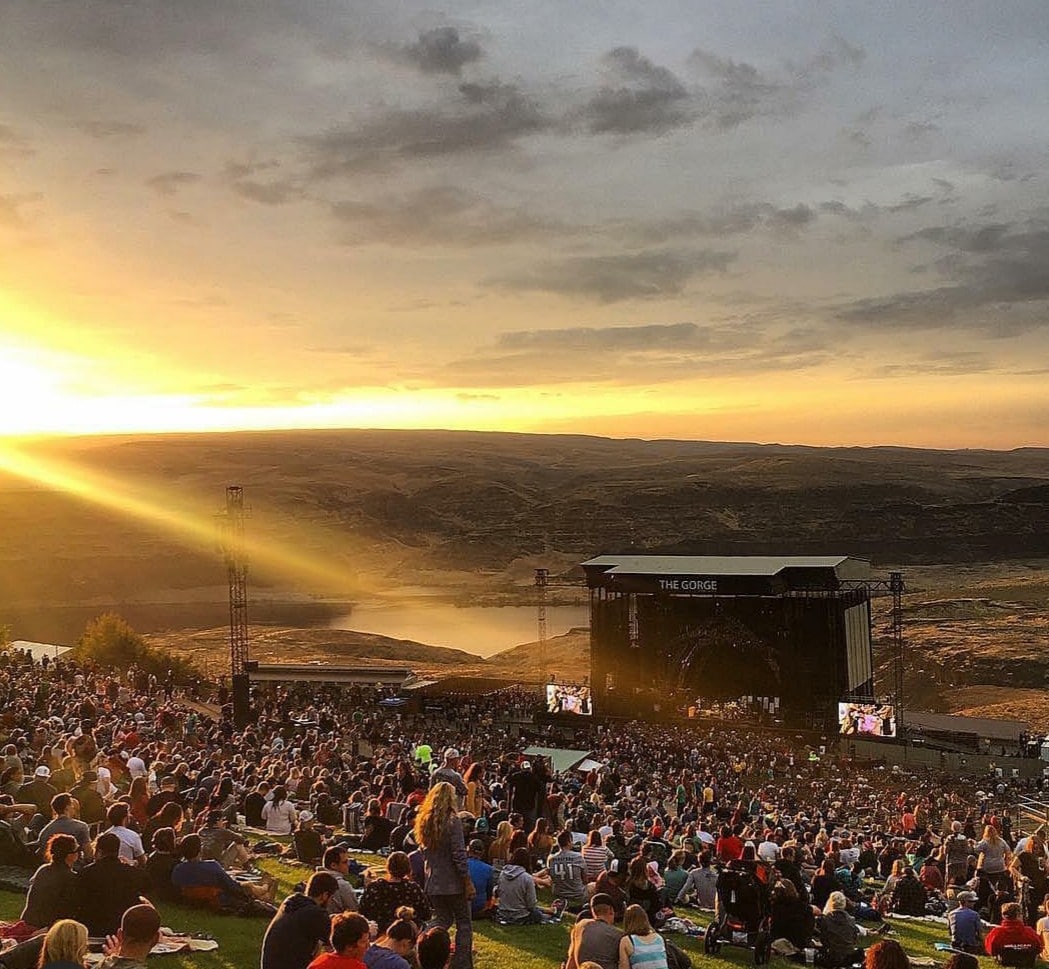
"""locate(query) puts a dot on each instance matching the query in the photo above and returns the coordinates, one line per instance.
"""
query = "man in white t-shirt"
(768, 850)
(131, 849)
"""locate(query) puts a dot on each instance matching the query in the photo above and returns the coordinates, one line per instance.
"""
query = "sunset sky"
(800, 221)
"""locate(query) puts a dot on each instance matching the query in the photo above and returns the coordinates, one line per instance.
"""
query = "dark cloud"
(658, 274)
(168, 184)
(484, 118)
(442, 215)
(737, 91)
(584, 338)
(730, 221)
(442, 51)
(995, 270)
(111, 129)
(650, 99)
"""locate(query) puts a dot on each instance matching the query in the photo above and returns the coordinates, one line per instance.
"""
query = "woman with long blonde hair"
(499, 849)
(64, 945)
(439, 835)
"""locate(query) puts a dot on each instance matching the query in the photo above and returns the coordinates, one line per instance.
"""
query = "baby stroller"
(743, 915)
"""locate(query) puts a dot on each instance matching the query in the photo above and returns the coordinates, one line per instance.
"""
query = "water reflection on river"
(481, 630)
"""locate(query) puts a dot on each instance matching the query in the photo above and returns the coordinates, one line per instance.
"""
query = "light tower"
(237, 568)
(542, 578)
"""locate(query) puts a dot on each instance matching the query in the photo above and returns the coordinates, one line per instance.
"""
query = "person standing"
(439, 834)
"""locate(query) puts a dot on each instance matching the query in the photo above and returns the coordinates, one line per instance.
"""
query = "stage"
(789, 636)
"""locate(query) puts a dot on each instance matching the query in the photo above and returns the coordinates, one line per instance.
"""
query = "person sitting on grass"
(107, 887)
(218, 843)
(964, 923)
(301, 925)
(383, 896)
(393, 949)
(309, 846)
(483, 876)
(517, 902)
(337, 863)
(595, 939)
(433, 948)
(349, 941)
(568, 873)
(205, 882)
(139, 932)
(839, 933)
(1013, 935)
(53, 888)
(641, 947)
(65, 946)
(887, 954)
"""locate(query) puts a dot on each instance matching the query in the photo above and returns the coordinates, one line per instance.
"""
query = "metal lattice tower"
(235, 552)
(542, 579)
(896, 587)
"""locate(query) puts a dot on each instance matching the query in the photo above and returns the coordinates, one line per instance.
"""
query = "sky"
(802, 221)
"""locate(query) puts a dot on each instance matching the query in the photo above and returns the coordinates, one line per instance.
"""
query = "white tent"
(560, 758)
(39, 650)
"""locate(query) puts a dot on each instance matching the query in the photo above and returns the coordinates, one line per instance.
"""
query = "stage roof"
(1007, 730)
(724, 574)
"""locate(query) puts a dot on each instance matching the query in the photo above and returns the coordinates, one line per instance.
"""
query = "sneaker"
(559, 907)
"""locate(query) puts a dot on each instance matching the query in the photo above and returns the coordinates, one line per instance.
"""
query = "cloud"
(111, 129)
(11, 209)
(720, 222)
(738, 92)
(12, 143)
(655, 274)
(440, 215)
(442, 51)
(650, 99)
(999, 266)
(484, 118)
(635, 354)
(169, 184)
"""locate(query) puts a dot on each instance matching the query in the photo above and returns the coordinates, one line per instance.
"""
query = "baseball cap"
(967, 896)
(305, 816)
(43, 771)
(613, 866)
(451, 752)
(525, 764)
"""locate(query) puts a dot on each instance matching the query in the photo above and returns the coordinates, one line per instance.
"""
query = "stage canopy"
(724, 574)
(560, 759)
(39, 650)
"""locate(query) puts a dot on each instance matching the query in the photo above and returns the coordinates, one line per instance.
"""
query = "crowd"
(118, 790)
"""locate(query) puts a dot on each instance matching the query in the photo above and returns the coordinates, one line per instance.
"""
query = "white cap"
(43, 771)
(451, 753)
(305, 816)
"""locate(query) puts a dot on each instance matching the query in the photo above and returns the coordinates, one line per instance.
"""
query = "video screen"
(867, 719)
(564, 698)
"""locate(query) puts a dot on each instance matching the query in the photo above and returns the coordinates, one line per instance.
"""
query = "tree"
(110, 641)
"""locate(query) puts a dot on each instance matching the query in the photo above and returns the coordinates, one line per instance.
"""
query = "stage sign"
(694, 585)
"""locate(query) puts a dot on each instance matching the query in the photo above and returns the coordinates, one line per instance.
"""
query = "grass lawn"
(495, 946)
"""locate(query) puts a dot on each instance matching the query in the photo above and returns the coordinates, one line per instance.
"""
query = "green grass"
(495, 946)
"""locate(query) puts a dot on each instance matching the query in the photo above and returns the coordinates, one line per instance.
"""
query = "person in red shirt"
(350, 938)
(1012, 932)
(729, 846)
